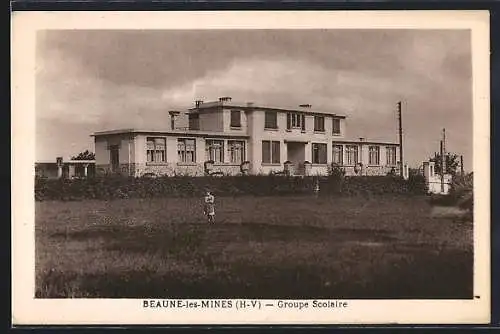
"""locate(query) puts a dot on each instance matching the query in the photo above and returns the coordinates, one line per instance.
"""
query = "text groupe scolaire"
(225, 304)
(314, 304)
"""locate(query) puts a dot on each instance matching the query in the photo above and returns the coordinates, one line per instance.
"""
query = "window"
(270, 152)
(186, 150)
(156, 149)
(236, 150)
(391, 155)
(318, 153)
(374, 155)
(271, 120)
(214, 150)
(351, 154)
(336, 126)
(319, 123)
(295, 121)
(235, 119)
(194, 121)
(338, 156)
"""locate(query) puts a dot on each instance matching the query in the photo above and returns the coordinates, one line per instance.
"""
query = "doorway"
(114, 157)
(296, 154)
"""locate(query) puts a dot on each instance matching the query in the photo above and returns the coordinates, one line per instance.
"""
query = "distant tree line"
(86, 155)
(452, 163)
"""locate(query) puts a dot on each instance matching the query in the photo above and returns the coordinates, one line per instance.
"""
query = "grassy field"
(260, 247)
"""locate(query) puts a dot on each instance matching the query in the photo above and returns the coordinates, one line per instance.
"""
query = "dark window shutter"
(336, 126)
(275, 152)
(303, 122)
(288, 121)
(266, 151)
(323, 154)
(235, 118)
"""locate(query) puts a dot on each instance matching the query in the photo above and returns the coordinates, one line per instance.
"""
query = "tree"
(452, 163)
(87, 155)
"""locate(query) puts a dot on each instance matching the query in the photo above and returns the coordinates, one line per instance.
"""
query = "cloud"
(108, 80)
(290, 82)
(66, 92)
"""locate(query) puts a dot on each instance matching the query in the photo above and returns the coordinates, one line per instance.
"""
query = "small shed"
(65, 169)
(436, 183)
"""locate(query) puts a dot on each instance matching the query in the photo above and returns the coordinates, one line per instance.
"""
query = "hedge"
(105, 188)
(461, 193)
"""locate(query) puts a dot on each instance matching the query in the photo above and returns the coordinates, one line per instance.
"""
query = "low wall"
(197, 169)
(167, 169)
(434, 184)
(369, 170)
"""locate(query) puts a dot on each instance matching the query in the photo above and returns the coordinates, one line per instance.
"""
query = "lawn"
(260, 247)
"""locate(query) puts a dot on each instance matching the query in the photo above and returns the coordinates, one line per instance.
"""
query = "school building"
(230, 138)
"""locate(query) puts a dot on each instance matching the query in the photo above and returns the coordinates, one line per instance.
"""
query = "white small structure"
(65, 169)
(406, 172)
(436, 183)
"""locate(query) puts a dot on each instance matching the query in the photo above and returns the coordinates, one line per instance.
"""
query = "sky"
(89, 81)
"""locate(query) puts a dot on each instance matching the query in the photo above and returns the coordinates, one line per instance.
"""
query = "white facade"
(308, 141)
(436, 183)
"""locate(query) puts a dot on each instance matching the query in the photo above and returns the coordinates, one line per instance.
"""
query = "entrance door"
(114, 157)
(296, 155)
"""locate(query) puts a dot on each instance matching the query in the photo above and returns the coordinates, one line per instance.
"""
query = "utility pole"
(400, 119)
(441, 172)
(443, 159)
(461, 164)
(444, 151)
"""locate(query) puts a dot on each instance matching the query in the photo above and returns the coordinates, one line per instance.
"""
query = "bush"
(336, 171)
(112, 187)
(375, 185)
(461, 195)
(417, 184)
(462, 190)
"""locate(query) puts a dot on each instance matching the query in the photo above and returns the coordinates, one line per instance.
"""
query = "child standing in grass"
(209, 207)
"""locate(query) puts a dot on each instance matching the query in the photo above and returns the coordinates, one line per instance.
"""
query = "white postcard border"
(27, 310)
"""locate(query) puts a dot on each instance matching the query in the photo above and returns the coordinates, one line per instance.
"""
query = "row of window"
(352, 156)
(194, 120)
(297, 121)
(271, 154)
(214, 150)
(186, 150)
(294, 121)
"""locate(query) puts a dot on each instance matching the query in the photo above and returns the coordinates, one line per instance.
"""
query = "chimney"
(361, 139)
(225, 99)
(173, 114)
(249, 104)
(307, 105)
(198, 103)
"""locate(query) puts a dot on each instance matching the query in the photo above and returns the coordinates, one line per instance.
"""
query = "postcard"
(279, 167)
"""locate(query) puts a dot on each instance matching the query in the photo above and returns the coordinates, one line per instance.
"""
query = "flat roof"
(250, 106)
(374, 142)
(194, 133)
(197, 133)
(66, 162)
